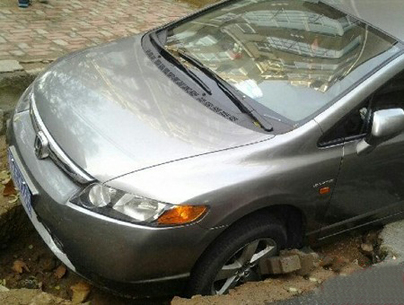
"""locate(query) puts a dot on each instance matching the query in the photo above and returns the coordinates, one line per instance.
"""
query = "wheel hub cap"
(241, 266)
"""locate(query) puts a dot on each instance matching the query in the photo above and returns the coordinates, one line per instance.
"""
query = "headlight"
(129, 207)
(24, 101)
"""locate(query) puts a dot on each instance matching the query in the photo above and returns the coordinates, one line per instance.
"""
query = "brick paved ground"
(47, 31)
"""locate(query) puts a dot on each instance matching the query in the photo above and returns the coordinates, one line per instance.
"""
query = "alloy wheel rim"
(242, 265)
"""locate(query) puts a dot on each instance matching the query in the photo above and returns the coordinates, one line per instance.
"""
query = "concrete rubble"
(291, 261)
(393, 242)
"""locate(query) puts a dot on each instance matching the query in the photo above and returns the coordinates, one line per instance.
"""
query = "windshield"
(293, 57)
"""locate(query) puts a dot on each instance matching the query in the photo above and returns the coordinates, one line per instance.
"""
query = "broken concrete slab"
(10, 65)
(303, 263)
(290, 263)
(280, 264)
(392, 241)
(308, 260)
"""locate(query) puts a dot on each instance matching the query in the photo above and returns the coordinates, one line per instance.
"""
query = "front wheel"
(234, 257)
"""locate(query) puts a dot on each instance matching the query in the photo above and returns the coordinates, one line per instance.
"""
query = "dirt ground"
(341, 258)
(26, 262)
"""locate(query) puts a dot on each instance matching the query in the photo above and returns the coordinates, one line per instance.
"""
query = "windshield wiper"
(241, 103)
(154, 39)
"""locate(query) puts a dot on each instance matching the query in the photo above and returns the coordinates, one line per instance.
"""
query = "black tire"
(237, 238)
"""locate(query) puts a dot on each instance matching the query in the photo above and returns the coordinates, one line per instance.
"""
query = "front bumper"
(111, 253)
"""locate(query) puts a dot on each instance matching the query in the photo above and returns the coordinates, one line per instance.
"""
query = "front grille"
(58, 156)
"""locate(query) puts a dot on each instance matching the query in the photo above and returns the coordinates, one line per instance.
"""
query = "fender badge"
(319, 184)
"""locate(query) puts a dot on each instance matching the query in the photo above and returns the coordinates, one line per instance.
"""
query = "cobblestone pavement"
(47, 31)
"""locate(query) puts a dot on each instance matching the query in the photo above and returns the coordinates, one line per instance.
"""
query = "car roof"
(386, 15)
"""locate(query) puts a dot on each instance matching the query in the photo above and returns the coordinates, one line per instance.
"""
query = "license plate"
(20, 183)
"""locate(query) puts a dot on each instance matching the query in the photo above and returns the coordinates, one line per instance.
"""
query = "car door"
(370, 187)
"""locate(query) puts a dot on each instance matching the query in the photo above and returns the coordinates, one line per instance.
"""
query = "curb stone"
(10, 65)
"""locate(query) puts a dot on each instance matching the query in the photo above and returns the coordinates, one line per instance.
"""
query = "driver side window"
(391, 95)
(357, 123)
(351, 127)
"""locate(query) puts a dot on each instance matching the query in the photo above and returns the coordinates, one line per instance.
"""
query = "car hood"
(112, 111)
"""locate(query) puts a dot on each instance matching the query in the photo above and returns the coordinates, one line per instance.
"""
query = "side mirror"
(386, 124)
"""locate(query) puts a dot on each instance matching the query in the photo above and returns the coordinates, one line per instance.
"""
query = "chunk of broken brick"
(367, 249)
(309, 260)
(280, 264)
(81, 290)
(327, 261)
(60, 271)
(9, 189)
(372, 238)
(339, 263)
(19, 266)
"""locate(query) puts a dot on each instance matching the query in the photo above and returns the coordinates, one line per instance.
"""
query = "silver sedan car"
(179, 160)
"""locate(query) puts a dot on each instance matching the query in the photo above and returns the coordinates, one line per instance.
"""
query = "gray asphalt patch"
(381, 285)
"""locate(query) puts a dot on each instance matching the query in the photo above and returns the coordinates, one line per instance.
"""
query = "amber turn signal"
(181, 214)
(324, 190)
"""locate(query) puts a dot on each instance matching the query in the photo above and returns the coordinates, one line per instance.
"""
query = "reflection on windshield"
(291, 56)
